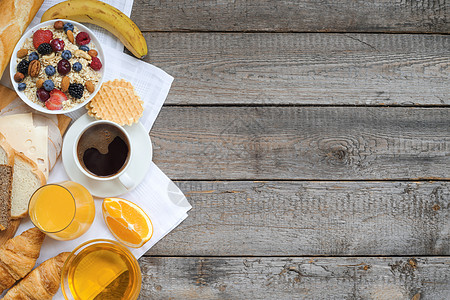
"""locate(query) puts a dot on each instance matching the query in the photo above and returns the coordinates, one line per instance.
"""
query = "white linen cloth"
(157, 195)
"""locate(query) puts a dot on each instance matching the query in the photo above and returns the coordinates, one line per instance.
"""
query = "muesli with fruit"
(58, 67)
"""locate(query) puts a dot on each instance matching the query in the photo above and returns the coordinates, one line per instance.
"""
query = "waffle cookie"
(116, 101)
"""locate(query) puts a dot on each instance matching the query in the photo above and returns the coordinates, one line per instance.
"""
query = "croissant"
(42, 283)
(18, 256)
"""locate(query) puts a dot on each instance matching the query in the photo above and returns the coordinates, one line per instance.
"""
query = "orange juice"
(101, 269)
(63, 211)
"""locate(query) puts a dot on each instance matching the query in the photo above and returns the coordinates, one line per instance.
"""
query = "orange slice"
(128, 223)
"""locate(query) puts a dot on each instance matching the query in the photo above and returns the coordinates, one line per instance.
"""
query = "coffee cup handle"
(126, 181)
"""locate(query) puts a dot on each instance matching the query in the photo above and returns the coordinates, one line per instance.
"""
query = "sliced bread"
(27, 178)
(6, 176)
(6, 152)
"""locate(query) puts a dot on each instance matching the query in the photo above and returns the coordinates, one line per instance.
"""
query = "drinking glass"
(101, 269)
(63, 211)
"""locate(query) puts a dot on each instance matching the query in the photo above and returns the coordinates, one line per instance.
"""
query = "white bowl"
(29, 33)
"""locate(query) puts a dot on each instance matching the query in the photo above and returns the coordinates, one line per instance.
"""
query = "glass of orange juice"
(63, 210)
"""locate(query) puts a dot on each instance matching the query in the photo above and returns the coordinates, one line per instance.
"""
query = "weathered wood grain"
(345, 69)
(296, 278)
(327, 143)
(293, 15)
(312, 218)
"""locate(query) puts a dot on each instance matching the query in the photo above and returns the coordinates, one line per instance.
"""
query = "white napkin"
(158, 196)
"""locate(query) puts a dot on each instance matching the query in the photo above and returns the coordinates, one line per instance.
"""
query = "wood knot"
(339, 152)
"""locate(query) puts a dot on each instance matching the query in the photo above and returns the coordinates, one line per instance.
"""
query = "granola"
(58, 58)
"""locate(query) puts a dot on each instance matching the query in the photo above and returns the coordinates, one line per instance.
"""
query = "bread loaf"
(27, 178)
(6, 176)
(15, 16)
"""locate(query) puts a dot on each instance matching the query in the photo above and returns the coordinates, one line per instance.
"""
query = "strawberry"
(42, 36)
(56, 99)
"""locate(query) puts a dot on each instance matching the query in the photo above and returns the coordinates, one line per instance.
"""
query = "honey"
(102, 270)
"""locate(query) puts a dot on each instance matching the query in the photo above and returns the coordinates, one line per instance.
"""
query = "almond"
(39, 83)
(59, 25)
(65, 82)
(34, 68)
(70, 36)
(93, 53)
(90, 86)
(22, 53)
(18, 77)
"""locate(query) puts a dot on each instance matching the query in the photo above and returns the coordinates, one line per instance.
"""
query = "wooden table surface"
(312, 138)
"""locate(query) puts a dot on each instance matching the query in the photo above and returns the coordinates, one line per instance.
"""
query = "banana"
(103, 15)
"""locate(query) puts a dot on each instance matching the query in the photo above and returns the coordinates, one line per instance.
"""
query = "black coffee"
(103, 150)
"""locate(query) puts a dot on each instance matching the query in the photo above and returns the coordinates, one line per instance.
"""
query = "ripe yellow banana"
(103, 15)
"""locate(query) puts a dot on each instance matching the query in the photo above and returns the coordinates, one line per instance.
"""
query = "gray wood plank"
(312, 218)
(296, 278)
(327, 143)
(293, 15)
(344, 69)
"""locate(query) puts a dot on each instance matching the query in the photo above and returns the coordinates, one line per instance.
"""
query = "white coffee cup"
(123, 173)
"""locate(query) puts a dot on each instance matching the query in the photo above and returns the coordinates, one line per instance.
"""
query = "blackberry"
(76, 90)
(22, 67)
(45, 48)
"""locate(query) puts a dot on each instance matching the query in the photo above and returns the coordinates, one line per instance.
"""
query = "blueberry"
(66, 54)
(77, 67)
(68, 26)
(22, 86)
(33, 56)
(50, 70)
(84, 48)
(48, 85)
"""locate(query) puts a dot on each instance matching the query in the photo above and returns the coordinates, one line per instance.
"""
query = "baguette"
(15, 16)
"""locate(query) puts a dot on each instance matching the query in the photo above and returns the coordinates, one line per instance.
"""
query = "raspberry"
(44, 49)
(83, 38)
(57, 45)
(22, 67)
(42, 36)
(96, 64)
(76, 90)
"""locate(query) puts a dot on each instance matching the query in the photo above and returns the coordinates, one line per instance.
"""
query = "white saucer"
(139, 164)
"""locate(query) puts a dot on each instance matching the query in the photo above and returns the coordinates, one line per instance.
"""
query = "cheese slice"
(24, 137)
